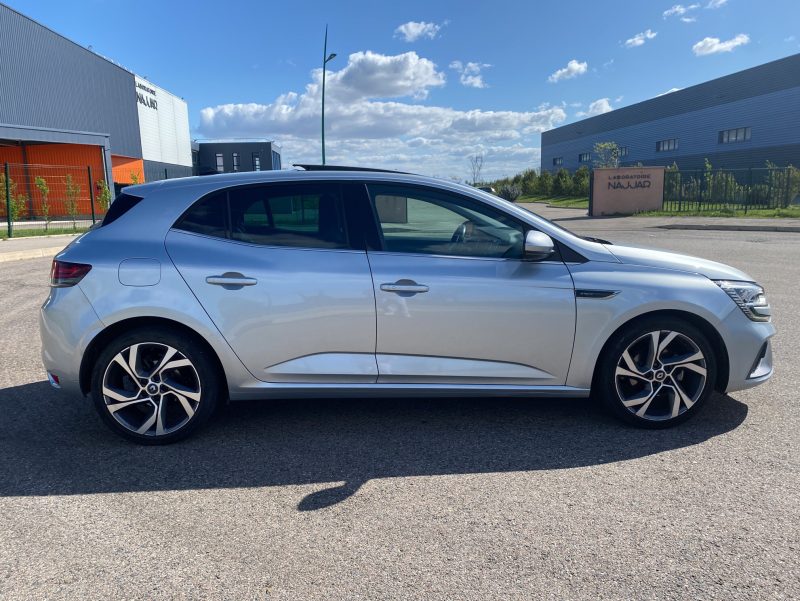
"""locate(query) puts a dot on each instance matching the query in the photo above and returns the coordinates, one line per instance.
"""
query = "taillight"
(64, 275)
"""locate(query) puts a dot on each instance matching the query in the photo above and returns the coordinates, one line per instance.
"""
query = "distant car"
(353, 283)
(488, 189)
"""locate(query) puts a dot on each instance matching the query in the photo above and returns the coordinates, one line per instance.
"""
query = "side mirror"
(538, 246)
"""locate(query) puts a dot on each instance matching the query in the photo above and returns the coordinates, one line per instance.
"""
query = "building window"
(558, 161)
(623, 152)
(256, 162)
(729, 136)
(584, 157)
(236, 161)
(276, 160)
(220, 163)
(666, 145)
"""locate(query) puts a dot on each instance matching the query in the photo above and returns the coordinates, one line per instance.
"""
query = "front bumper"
(749, 348)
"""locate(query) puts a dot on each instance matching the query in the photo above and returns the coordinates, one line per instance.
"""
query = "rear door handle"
(404, 287)
(231, 280)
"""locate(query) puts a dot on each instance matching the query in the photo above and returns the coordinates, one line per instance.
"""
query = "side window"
(307, 216)
(207, 216)
(304, 216)
(423, 221)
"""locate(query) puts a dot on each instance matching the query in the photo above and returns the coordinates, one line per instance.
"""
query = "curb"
(730, 228)
(34, 253)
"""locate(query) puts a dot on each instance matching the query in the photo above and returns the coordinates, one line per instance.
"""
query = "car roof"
(288, 175)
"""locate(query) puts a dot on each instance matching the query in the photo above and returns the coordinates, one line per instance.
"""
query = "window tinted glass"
(416, 220)
(302, 216)
(206, 216)
(121, 205)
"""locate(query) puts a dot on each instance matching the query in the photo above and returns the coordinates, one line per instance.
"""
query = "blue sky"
(421, 85)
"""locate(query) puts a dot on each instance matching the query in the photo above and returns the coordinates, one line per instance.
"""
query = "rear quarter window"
(121, 205)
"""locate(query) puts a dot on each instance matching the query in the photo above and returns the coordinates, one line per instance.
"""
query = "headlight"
(750, 298)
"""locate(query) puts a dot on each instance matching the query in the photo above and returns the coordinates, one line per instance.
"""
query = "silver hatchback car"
(354, 282)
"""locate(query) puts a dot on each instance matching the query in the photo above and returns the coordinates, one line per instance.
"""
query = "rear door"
(456, 300)
(275, 268)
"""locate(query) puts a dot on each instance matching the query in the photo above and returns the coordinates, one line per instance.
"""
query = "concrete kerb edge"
(33, 253)
(729, 228)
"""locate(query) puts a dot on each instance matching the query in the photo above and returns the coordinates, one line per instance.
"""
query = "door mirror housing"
(538, 246)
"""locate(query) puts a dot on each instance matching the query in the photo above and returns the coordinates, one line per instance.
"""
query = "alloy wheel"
(660, 375)
(151, 389)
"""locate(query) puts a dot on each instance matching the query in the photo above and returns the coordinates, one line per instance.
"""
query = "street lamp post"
(326, 58)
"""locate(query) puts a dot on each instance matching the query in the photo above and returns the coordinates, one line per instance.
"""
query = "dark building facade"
(62, 104)
(230, 156)
(737, 121)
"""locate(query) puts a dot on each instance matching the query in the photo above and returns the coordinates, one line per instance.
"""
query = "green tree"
(44, 190)
(562, 184)
(12, 189)
(17, 203)
(73, 190)
(606, 154)
(580, 181)
(544, 185)
(18, 206)
(104, 197)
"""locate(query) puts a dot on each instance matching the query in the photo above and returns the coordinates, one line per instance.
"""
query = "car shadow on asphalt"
(51, 444)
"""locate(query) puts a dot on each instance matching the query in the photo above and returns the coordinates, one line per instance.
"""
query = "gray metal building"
(228, 156)
(737, 121)
(60, 101)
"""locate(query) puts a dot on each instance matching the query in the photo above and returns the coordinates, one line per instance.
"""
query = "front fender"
(639, 291)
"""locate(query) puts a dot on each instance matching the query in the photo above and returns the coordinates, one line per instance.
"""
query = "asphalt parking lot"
(399, 499)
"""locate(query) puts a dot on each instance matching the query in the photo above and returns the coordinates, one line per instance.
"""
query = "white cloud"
(598, 107)
(679, 10)
(640, 38)
(670, 91)
(573, 69)
(368, 123)
(372, 75)
(791, 38)
(688, 19)
(715, 45)
(716, 3)
(414, 30)
(470, 73)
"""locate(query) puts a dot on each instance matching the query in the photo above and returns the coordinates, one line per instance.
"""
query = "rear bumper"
(67, 323)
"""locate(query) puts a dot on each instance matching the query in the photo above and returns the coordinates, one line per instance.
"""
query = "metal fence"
(731, 189)
(39, 199)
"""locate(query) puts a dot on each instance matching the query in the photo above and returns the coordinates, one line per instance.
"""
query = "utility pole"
(326, 58)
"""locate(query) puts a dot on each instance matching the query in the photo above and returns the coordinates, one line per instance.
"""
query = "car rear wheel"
(657, 372)
(155, 386)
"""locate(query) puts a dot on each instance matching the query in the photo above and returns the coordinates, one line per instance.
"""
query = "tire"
(155, 386)
(656, 389)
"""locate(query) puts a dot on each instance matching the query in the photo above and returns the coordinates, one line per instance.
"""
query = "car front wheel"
(657, 372)
(154, 386)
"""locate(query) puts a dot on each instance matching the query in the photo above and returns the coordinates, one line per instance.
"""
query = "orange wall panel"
(53, 163)
(123, 169)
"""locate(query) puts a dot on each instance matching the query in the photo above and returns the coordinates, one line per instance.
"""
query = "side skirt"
(314, 391)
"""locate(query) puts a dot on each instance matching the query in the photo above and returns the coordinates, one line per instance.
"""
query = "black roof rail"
(345, 168)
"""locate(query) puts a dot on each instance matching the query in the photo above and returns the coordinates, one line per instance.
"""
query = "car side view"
(350, 282)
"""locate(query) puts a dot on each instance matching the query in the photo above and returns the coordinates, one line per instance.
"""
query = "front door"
(456, 301)
(273, 267)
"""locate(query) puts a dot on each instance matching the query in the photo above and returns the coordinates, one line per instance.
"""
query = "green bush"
(510, 192)
(580, 181)
(544, 184)
(562, 184)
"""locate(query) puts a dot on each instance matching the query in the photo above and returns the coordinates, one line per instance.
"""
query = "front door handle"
(231, 280)
(405, 287)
